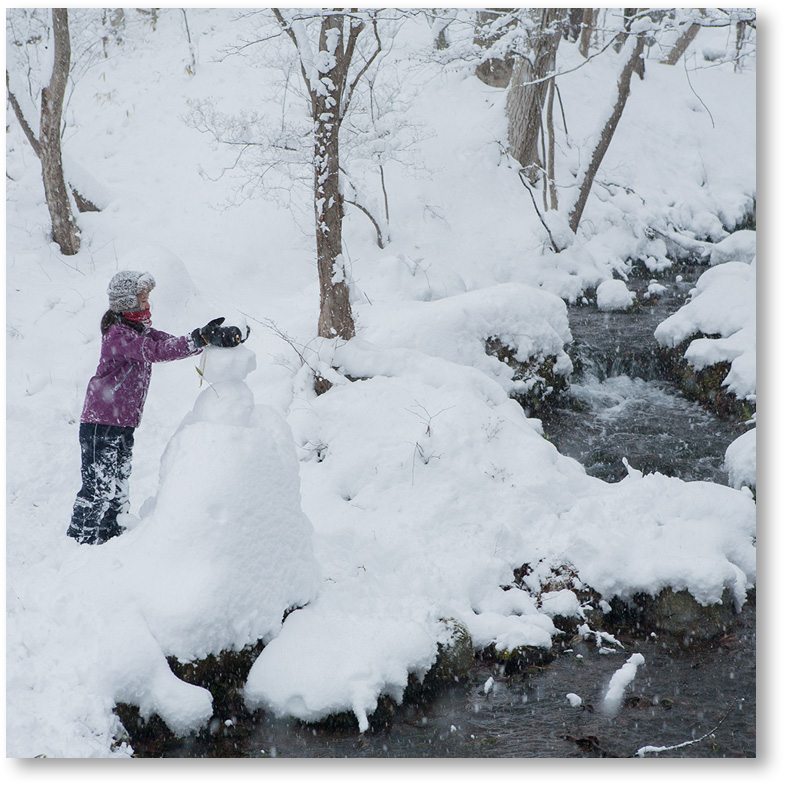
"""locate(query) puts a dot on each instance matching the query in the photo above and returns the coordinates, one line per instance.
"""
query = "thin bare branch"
(353, 85)
(34, 143)
(539, 214)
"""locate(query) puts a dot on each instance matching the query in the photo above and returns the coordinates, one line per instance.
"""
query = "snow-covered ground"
(391, 503)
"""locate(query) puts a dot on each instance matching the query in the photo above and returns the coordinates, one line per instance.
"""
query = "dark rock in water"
(705, 385)
(522, 659)
(456, 657)
(677, 613)
(545, 384)
(143, 733)
(223, 675)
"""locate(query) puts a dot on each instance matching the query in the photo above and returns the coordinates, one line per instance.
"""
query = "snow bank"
(650, 532)
(740, 460)
(426, 484)
(531, 322)
(722, 304)
(737, 247)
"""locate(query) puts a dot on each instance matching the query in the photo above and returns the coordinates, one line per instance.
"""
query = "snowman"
(224, 549)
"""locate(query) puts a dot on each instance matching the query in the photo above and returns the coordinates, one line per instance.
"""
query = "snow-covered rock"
(722, 304)
(740, 246)
(740, 460)
(531, 322)
(614, 296)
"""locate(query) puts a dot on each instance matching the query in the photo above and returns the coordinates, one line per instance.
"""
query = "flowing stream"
(697, 701)
(620, 404)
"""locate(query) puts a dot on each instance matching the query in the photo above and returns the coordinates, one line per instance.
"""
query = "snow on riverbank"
(722, 308)
(422, 486)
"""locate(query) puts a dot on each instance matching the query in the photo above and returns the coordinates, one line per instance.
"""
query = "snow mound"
(740, 460)
(722, 304)
(651, 532)
(614, 296)
(531, 322)
(367, 646)
(737, 247)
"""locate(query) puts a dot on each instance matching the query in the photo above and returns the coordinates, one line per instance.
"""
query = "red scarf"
(140, 317)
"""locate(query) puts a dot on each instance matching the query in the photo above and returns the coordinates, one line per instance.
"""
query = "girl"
(115, 400)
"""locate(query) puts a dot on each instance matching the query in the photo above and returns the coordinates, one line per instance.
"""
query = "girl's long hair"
(112, 317)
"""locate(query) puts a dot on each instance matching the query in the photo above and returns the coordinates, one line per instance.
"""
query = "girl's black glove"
(207, 334)
(215, 335)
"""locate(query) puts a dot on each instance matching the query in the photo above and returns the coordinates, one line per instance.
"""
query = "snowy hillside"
(410, 491)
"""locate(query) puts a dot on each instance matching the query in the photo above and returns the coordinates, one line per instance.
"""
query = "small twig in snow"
(687, 74)
(555, 247)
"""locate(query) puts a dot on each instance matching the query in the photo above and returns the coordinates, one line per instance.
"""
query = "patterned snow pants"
(106, 468)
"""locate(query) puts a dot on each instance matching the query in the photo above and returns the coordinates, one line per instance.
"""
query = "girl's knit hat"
(124, 290)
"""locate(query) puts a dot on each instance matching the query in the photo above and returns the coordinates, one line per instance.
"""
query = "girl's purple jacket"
(117, 392)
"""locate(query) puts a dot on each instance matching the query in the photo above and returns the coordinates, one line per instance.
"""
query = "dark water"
(619, 408)
(701, 699)
(650, 423)
(677, 696)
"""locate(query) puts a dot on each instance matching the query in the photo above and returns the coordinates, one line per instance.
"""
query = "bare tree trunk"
(28, 132)
(684, 40)
(330, 98)
(572, 27)
(496, 71)
(587, 29)
(439, 20)
(741, 30)
(335, 313)
(607, 133)
(680, 47)
(551, 157)
(65, 232)
(621, 37)
(526, 94)
(523, 116)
